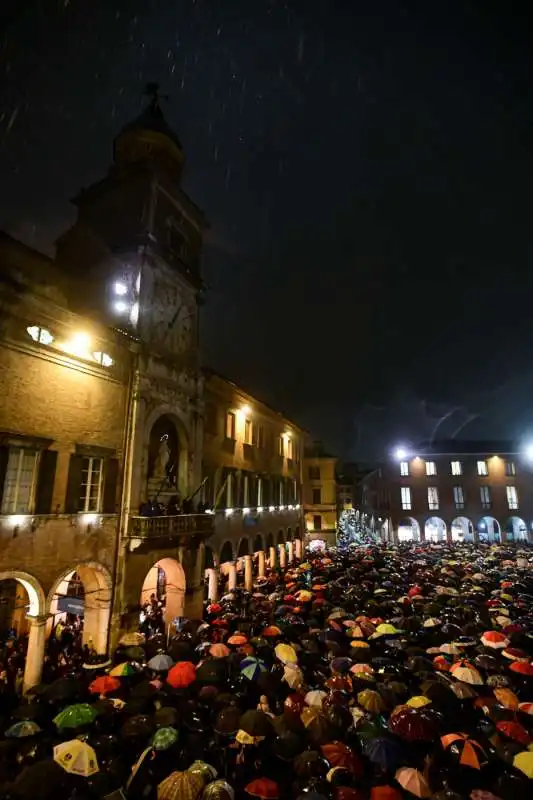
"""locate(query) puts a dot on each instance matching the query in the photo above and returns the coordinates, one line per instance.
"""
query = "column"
(261, 563)
(272, 556)
(35, 656)
(212, 586)
(290, 552)
(248, 574)
(298, 548)
(282, 556)
(232, 577)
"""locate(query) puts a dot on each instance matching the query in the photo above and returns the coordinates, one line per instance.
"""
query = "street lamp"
(401, 453)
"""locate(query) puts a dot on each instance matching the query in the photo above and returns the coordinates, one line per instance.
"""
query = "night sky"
(367, 170)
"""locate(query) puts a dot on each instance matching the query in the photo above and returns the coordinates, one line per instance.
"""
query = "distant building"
(320, 495)
(454, 491)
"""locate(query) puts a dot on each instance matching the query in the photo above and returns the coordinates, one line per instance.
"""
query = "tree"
(354, 528)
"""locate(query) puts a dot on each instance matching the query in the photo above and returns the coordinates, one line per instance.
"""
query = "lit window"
(433, 498)
(246, 491)
(248, 431)
(19, 482)
(40, 335)
(512, 497)
(404, 468)
(280, 446)
(482, 468)
(229, 490)
(510, 469)
(484, 494)
(230, 425)
(431, 468)
(259, 491)
(91, 485)
(457, 468)
(104, 359)
(458, 497)
(406, 498)
(289, 443)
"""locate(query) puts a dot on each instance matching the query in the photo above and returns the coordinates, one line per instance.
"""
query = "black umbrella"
(256, 723)
(41, 781)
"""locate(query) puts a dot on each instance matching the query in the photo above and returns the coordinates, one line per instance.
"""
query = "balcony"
(170, 527)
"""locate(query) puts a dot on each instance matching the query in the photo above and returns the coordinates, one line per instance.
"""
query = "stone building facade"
(320, 495)
(103, 413)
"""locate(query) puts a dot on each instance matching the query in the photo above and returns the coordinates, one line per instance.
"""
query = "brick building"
(103, 410)
(455, 491)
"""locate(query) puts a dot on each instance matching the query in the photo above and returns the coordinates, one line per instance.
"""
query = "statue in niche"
(163, 454)
(162, 459)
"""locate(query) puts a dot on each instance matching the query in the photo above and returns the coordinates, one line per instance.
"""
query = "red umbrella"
(413, 724)
(522, 668)
(263, 788)
(340, 755)
(514, 731)
(104, 685)
(181, 675)
(214, 608)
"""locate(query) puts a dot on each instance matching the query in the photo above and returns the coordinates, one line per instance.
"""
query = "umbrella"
(218, 790)
(293, 676)
(340, 755)
(514, 731)
(466, 672)
(75, 716)
(413, 724)
(252, 668)
(132, 639)
(418, 701)
(526, 708)
(164, 738)
(263, 788)
(272, 631)
(63, 689)
(522, 668)
(41, 781)
(387, 754)
(315, 698)
(219, 650)
(468, 752)
(237, 639)
(122, 670)
(211, 672)
(180, 786)
(135, 653)
(27, 711)
(371, 701)
(524, 762)
(286, 654)
(204, 771)
(255, 723)
(104, 685)
(413, 781)
(76, 757)
(166, 717)
(160, 662)
(181, 675)
(507, 698)
(495, 639)
(22, 729)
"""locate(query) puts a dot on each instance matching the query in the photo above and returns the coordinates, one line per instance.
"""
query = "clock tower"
(133, 261)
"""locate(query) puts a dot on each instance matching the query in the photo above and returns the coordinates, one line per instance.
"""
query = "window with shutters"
(91, 485)
(20, 480)
(248, 431)
(230, 425)
(317, 496)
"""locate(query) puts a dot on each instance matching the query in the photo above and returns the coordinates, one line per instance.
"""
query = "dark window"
(317, 522)
(230, 425)
(317, 497)
(314, 473)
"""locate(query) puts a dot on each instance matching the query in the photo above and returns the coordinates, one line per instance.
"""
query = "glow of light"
(246, 410)
(120, 289)
(134, 313)
(400, 453)
(259, 509)
(16, 520)
(287, 434)
(209, 511)
(78, 346)
(120, 306)
(272, 508)
(138, 283)
(229, 512)
(246, 511)
(89, 519)
(103, 359)
(297, 507)
(290, 508)
(40, 335)
(529, 452)
(282, 508)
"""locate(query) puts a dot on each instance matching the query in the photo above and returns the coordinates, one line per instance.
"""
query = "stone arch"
(226, 552)
(243, 548)
(280, 538)
(210, 557)
(34, 590)
(270, 540)
(489, 529)
(155, 423)
(434, 529)
(516, 530)
(290, 535)
(172, 585)
(408, 530)
(462, 530)
(259, 543)
(98, 592)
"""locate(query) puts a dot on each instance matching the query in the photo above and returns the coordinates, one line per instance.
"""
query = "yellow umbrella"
(286, 654)
(180, 786)
(524, 762)
(132, 639)
(303, 596)
(293, 676)
(385, 629)
(418, 701)
(359, 643)
(76, 757)
(371, 701)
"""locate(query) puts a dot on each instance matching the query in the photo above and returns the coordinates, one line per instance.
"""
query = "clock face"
(172, 320)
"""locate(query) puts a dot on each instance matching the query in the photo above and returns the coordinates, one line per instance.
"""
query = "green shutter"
(73, 497)
(110, 486)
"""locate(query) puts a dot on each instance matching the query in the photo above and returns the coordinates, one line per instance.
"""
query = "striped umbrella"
(180, 786)
(22, 729)
(468, 752)
(76, 757)
(164, 738)
(252, 668)
(123, 670)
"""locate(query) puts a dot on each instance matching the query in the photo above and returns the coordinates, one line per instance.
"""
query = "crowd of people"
(372, 673)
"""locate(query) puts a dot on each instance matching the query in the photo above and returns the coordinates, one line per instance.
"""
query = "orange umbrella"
(219, 650)
(495, 639)
(340, 755)
(469, 752)
(413, 781)
(272, 631)
(238, 639)
(507, 698)
(522, 668)
(104, 685)
(181, 675)
(263, 788)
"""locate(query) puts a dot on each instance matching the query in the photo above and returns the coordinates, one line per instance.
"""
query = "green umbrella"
(164, 738)
(75, 716)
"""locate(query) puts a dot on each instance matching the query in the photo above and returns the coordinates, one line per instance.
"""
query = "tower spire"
(151, 90)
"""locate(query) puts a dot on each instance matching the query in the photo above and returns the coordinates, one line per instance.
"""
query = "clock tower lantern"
(133, 261)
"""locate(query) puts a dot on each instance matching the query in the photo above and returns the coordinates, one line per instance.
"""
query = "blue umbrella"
(160, 663)
(252, 668)
(386, 753)
(21, 729)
